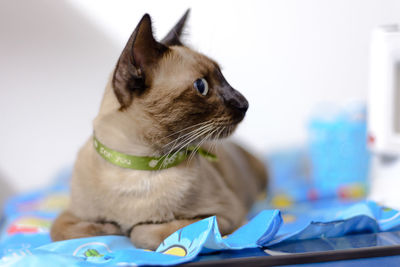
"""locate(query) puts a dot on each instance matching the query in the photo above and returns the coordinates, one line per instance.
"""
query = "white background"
(285, 56)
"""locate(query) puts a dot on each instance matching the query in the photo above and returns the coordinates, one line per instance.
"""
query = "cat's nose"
(242, 105)
(236, 100)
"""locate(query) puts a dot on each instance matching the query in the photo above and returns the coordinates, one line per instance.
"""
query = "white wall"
(283, 55)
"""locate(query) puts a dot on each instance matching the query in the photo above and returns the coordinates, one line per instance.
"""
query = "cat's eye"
(201, 86)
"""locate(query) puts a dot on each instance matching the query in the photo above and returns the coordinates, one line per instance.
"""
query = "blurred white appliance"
(384, 115)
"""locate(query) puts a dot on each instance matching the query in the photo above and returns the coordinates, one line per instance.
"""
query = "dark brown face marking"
(232, 99)
(176, 106)
(160, 80)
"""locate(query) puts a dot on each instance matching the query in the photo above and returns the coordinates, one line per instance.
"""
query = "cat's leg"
(244, 174)
(150, 236)
(68, 226)
(257, 167)
(227, 225)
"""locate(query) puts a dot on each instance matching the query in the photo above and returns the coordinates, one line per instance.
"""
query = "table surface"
(367, 249)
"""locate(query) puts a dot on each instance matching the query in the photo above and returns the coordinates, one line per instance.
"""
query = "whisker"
(216, 122)
(194, 137)
(191, 132)
(206, 129)
(215, 143)
(200, 143)
(206, 138)
(184, 129)
(185, 142)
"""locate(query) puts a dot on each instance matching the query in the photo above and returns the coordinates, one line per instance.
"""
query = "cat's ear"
(173, 37)
(141, 52)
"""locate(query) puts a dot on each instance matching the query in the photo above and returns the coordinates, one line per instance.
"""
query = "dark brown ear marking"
(173, 37)
(141, 52)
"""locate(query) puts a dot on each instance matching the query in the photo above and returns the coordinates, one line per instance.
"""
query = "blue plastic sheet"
(25, 241)
(264, 230)
(182, 246)
(336, 220)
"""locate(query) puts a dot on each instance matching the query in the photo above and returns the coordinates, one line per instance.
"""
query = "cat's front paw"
(150, 236)
(146, 236)
(69, 226)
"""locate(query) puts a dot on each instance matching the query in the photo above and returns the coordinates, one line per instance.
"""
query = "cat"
(162, 98)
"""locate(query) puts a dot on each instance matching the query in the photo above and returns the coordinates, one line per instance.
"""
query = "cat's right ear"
(174, 35)
(141, 52)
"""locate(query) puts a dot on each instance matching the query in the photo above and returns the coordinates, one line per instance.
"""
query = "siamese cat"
(161, 99)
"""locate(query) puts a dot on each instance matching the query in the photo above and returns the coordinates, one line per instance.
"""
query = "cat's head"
(181, 94)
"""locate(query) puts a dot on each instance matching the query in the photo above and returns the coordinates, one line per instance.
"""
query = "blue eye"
(201, 86)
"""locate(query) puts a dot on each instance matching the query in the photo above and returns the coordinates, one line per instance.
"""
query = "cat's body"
(150, 205)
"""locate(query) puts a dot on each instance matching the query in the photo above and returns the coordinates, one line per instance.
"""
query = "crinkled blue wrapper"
(182, 246)
(25, 240)
(265, 229)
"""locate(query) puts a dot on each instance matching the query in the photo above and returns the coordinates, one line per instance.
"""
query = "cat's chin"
(224, 133)
(228, 131)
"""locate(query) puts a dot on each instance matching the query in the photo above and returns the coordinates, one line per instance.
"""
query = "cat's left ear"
(174, 35)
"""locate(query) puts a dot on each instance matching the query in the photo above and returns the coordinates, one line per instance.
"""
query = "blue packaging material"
(182, 246)
(338, 151)
(335, 219)
(25, 240)
(266, 229)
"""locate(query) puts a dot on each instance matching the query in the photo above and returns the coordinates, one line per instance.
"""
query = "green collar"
(148, 163)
